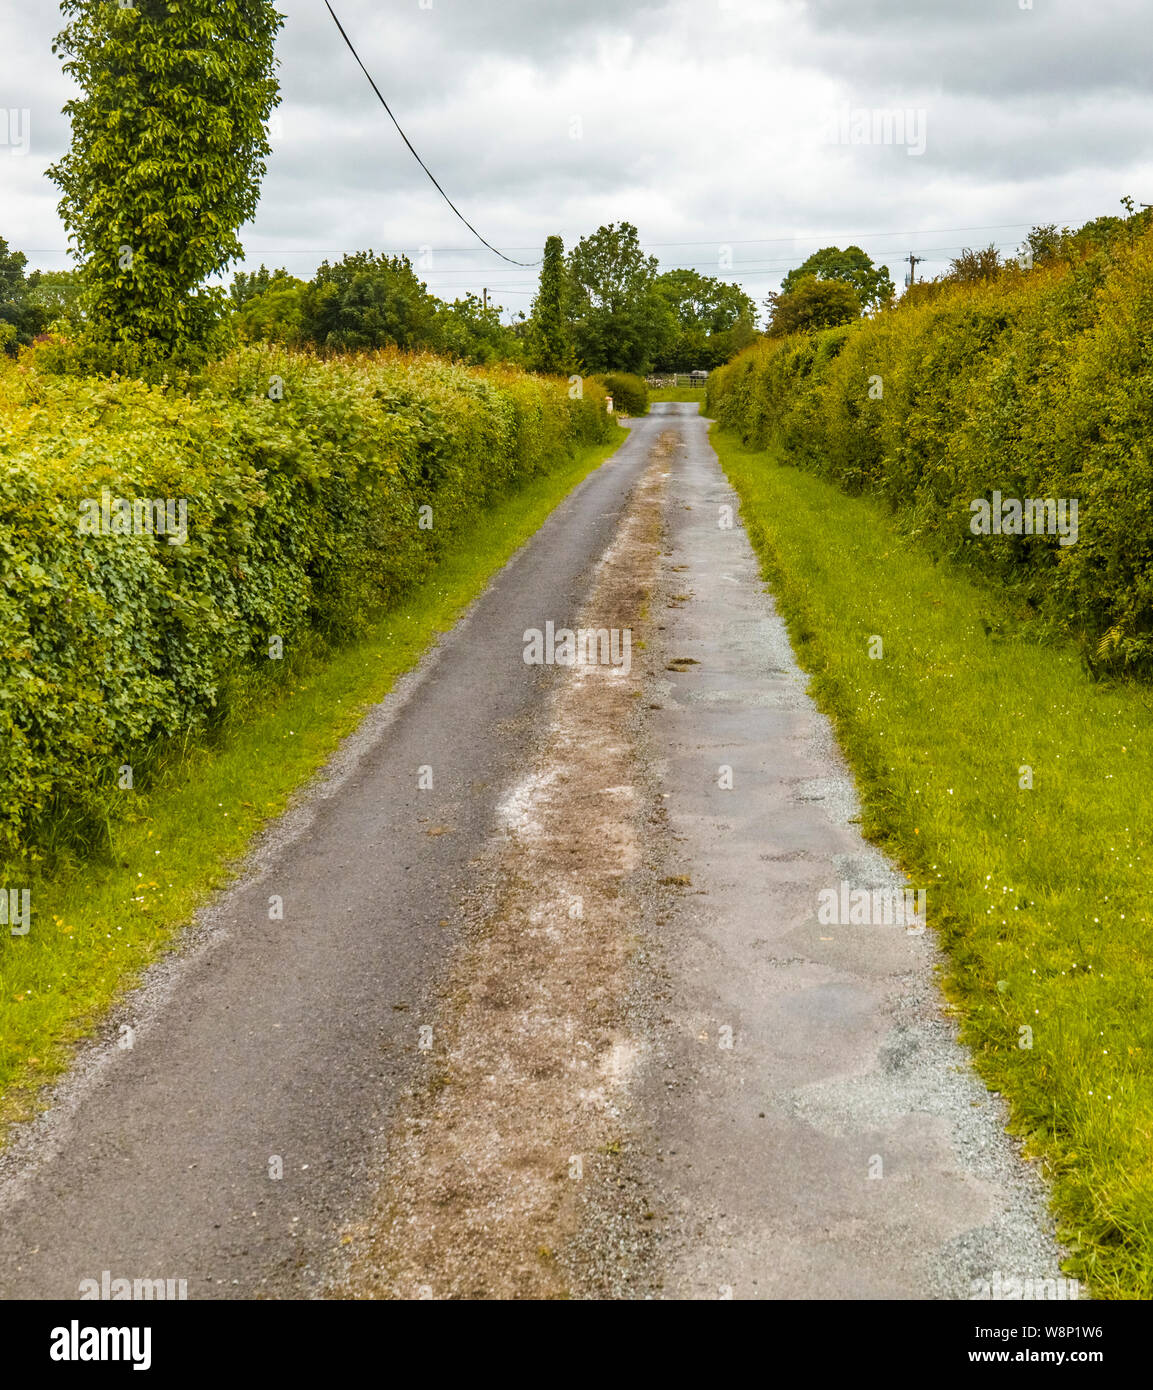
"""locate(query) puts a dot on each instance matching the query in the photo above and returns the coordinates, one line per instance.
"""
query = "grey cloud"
(699, 126)
(991, 47)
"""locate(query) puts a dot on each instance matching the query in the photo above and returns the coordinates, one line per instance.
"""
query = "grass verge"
(1019, 793)
(94, 927)
(677, 393)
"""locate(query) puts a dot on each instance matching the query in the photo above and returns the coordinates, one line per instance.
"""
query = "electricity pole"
(913, 260)
(485, 293)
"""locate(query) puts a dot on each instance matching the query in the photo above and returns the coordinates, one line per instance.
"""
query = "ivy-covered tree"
(551, 342)
(168, 149)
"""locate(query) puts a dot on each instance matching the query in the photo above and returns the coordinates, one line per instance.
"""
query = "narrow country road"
(564, 1023)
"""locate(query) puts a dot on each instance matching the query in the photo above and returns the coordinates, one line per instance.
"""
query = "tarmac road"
(808, 1126)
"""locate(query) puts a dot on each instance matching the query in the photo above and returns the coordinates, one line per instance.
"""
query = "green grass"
(1038, 895)
(677, 393)
(95, 926)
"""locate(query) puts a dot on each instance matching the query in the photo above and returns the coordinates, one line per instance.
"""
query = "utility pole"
(913, 267)
(485, 293)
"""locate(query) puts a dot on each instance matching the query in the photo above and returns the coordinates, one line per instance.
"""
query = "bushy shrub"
(1034, 384)
(630, 394)
(302, 483)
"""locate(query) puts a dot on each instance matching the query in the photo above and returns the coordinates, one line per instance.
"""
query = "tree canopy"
(812, 304)
(367, 301)
(712, 320)
(852, 267)
(620, 319)
(31, 304)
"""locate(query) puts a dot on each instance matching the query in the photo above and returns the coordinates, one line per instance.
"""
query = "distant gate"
(677, 379)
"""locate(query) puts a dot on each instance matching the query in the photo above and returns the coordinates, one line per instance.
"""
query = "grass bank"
(688, 394)
(1019, 793)
(95, 927)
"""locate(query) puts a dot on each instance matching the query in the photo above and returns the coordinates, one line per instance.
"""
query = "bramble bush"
(303, 481)
(1037, 384)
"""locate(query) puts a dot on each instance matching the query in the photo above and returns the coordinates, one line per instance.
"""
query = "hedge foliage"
(630, 393)
(303, 482)
(1038, 384)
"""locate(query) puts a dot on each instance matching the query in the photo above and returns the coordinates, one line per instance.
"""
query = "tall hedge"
(1037, 385)
(303, 482)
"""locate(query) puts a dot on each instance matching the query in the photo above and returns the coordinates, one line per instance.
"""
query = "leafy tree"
(168, 147)
(549, 337)
(714, 320)
(58, 296)
(368, 301)
(620, 320)
(972, 267)
(13, 298)
(273, 314)
(853, 267)
(1045, 242)
(245, 287)
(467, 330)
(29, 305)
(1102, 231)
(811, 305)
(12, 280)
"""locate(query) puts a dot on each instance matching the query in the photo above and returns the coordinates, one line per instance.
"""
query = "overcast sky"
(738, 135)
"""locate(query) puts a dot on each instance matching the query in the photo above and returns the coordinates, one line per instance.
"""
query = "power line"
(854, 236)
(408, 142)
(737, 267)
(647, 245)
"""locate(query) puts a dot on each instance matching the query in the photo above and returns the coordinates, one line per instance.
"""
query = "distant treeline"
(603, 307)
